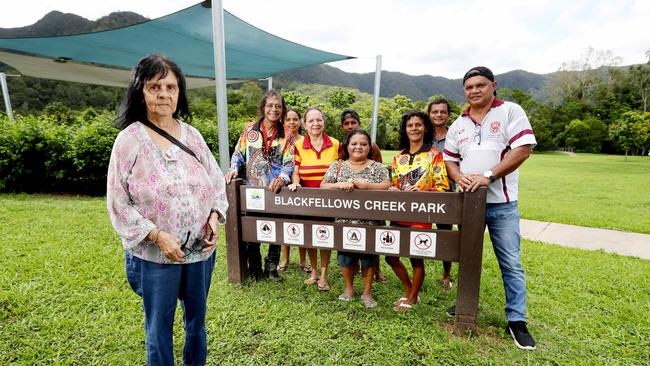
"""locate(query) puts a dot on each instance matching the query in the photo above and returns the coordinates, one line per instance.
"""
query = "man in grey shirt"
(438, 111)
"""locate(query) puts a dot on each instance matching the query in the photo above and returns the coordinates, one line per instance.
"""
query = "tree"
(639, 77)
(585, 136)
(579, 79)
(294, 99)
(341, 99)
(630, 132)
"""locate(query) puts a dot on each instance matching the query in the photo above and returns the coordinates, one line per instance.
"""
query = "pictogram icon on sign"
(422, 241)
(387, 238)
(354, 235)
(322, 233)
(293, 230)
(266, 229)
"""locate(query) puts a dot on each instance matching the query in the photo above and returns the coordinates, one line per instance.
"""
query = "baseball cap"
(479, 71)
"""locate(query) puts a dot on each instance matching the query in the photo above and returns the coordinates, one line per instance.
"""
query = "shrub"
(91, 151)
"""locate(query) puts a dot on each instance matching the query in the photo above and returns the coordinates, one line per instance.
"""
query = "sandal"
(369, 302)
(324, 288)
(381, 279)
(282, 267)
(311, 281)
(447, 284)
(346, 297)
(402, 299)
(306, 268)
(403, 307)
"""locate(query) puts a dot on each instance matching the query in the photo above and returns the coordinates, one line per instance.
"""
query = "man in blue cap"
(484, 147)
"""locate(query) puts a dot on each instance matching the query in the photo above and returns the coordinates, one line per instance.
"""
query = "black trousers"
(255, 256)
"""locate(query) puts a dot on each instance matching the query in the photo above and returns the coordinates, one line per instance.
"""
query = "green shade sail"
(107, 57)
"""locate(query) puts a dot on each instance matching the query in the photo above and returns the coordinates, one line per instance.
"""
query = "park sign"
(427, 207)
(307, 218)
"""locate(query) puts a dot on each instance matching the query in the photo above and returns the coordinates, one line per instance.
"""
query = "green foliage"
(585, 136)
(294, 99)
(41, 154)
(639, 80)
(341, 99)
(630, 132)
(90, 149)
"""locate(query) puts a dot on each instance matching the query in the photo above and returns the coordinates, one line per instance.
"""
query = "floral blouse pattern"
(373, 173)
(149, 187)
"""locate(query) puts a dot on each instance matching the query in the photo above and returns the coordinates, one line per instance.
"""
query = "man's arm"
(509, 164)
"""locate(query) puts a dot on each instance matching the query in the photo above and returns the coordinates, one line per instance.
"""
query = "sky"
(416, 37)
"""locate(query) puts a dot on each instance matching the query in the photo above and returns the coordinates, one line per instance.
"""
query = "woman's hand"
(170, 246)
(360, 183)
(231, 174)
(393, 188)
(412, 189)
(346, 186)
(294, 186)
(276, 184)
(211, 232)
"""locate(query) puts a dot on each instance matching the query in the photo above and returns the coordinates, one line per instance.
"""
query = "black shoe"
(256, 274)
(520, 334)
(451, 311)
(271, 271)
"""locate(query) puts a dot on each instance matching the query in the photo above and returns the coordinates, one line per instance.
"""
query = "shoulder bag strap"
(171, 138)
(338, 170)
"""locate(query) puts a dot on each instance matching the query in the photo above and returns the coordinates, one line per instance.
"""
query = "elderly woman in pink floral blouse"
(165, 198)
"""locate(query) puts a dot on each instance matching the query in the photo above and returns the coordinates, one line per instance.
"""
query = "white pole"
(375, 104)
(5, 94)
(270, 85)
(220, 79)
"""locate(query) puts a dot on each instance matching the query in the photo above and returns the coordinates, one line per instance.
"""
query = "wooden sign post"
(257, 215)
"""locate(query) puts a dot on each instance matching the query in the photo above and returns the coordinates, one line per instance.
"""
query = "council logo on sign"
(255, 199)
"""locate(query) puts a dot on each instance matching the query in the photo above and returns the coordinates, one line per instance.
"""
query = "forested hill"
(415, 87)
(56, 23)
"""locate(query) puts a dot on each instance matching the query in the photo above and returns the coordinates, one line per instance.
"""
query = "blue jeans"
(160, 285)
(502, 220)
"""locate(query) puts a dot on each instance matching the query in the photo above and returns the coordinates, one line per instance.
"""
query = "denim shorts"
(349, 259)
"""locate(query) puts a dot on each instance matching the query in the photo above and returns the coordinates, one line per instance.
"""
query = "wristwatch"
(488, 174)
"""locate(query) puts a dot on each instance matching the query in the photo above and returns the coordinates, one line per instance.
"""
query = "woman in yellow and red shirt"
(418, 166)
(293, 123)
(313, 156)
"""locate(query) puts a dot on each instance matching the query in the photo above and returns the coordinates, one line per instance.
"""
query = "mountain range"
(419, 87)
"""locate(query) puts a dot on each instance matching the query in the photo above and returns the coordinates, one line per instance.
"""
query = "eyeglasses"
(196, 246)
(276, 106)
(477, 133)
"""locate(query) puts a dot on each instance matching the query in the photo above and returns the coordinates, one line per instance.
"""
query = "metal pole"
(5, 94)
(375, 104)
(270, 80)
(219, 45)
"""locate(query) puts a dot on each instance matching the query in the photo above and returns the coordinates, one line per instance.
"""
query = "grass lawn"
(64, 300)
(593, 190)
